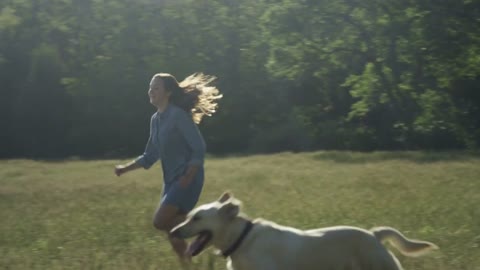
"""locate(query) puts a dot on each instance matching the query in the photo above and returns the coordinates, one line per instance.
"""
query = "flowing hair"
(194, 94)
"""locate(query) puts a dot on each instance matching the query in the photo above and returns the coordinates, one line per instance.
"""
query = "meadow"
(76, 214)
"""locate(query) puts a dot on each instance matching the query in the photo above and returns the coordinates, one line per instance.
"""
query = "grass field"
(77, 215)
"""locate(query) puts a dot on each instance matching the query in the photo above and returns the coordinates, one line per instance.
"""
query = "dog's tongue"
(194, 247)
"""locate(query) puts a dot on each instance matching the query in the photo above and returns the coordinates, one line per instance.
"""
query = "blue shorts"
(183, 198)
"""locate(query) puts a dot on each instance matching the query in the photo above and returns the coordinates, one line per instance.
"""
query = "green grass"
(78, 215)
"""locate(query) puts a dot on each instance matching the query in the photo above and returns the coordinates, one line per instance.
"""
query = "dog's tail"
(408, 247)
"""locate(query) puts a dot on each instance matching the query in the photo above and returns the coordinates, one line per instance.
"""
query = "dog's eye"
(195, 218)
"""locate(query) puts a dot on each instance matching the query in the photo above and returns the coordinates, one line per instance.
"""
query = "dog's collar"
(248, 227)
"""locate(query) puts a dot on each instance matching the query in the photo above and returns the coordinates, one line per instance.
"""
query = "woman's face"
(157, 93)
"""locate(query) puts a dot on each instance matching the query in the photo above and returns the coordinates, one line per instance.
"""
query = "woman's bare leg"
(166, 218)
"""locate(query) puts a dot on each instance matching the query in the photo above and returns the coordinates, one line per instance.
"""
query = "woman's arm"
(190, 132)
(150, 155)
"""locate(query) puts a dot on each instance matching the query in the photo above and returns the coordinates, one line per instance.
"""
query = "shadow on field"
(413, 156)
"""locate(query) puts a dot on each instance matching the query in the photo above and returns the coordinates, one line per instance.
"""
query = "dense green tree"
(383, 56)
(296, 75)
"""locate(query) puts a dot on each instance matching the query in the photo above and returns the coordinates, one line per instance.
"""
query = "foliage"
(314, 74)
(386, 56)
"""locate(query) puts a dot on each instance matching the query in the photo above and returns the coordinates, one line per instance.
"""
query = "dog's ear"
(225, 196)
(230, 209)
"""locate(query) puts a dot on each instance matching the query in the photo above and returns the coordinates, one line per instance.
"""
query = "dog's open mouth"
(200, 242)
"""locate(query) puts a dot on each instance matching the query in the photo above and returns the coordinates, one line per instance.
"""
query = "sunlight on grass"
(78, 215)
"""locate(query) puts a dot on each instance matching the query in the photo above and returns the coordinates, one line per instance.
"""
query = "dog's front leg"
(230, 265)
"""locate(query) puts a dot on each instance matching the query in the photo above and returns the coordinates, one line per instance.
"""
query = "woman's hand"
(184, 181)
(187, 178)
(119, 170)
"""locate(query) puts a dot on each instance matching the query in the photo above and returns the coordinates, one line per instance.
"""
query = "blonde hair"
(194, 94)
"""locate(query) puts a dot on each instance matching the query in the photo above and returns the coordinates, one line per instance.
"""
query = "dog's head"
(207, 222)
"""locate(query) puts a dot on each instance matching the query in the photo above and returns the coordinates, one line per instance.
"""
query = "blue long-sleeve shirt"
(175, 140)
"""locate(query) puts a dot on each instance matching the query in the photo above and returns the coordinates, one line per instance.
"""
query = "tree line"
(296, 74)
